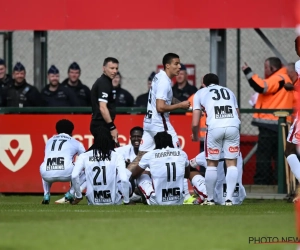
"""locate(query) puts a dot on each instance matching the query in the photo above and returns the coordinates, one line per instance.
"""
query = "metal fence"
(140, 51)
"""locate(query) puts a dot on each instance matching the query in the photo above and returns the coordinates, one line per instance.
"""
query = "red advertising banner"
(136, 14)
(23, 137)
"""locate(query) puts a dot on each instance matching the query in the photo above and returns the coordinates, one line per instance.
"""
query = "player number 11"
(169, 172)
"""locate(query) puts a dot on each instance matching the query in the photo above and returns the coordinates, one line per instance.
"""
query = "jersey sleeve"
(79, 166)
(186, 160)
(234, 100)
(120, 163)
(144, 162)
(297, 68)
(196, 101)
(163, 87)
(103, 92)
(80, 148)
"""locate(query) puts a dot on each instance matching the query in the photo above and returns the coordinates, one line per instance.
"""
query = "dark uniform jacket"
(24, 95)
(82, 92)
(62, 97)
(184, 93)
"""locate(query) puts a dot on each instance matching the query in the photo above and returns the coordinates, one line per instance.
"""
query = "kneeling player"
(168, 167)
(58, 162)
(106, 179)
(198, 181)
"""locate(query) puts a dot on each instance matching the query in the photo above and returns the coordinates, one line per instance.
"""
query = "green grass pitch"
(27, 225)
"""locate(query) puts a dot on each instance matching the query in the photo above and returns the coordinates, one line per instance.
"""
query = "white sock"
(186, 189)
(145, 184)
(46, 186)
(294, 165)
(210, 181)
(198, 183)
(231, 181)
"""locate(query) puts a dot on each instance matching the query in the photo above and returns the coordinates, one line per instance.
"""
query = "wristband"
(111, 126)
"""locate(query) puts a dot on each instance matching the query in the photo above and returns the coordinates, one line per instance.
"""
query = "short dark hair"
(167, 59)
(210, 78)
(137, 128)
(64, 126)
(163, 140)
(110, 59)
(104, 143)
(274, 62)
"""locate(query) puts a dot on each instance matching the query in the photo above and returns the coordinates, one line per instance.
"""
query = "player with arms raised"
(223, 124)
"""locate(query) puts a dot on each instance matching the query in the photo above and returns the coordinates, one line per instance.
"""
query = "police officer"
(73, 82)
(103, 97)
(123, 97)
(55, 94)
(20, 93)
(5, 79)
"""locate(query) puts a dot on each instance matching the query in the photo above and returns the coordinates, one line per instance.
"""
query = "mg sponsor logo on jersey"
(233, 149)
(15, 151)
(223, 112)
(102, 196)
(55, 163)
(213, 151)
(171, 194)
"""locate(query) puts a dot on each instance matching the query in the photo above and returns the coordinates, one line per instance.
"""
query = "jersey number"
(60, 144)
(169, 172)
(95, 183)
(224, 93)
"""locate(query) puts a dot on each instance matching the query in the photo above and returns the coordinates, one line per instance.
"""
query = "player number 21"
(169, 171)
(98, 171)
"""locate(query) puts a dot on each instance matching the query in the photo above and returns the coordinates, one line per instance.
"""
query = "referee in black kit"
(103, 99)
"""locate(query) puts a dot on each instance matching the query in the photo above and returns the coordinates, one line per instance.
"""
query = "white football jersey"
(167, 168)
(102, 177)
(297, 68)
(239, 193)
(60, 151)
(220, 106)
(127, 152)
(161, 88)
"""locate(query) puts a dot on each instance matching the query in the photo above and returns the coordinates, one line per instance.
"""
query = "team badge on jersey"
(15, 151)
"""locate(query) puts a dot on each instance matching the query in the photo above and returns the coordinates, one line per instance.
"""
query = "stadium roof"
(139, 14)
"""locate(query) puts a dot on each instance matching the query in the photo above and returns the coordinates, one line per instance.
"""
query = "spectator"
(82, 92)
(182, 90)
(20, 93)
(5, 79)
(57, 95)
(272, 95)
(142, 100)
(123, 97)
